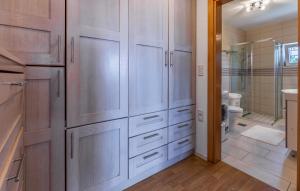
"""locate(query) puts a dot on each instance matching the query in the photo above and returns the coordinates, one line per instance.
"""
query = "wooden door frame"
(214, 82)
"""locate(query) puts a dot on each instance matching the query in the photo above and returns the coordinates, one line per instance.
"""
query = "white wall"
(202, 57)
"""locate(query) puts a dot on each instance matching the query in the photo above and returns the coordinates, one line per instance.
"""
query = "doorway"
(246, 74)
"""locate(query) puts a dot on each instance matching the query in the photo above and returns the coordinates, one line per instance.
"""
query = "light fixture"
(257, 5)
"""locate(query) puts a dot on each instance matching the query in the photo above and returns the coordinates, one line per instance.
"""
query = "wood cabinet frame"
(214, 81)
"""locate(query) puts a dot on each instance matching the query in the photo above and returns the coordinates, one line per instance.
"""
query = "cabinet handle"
(72, 49)
(13, 83)
(58, 83)
(149, 156)
(185, 141)
(17, 177)
(151, 117)
(59, 48)
(151, 136)
(166, 58)
(179, 111)
(72, 145)
(171, 58)
(181, 126)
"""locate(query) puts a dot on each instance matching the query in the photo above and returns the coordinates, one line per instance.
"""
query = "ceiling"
(235, 14)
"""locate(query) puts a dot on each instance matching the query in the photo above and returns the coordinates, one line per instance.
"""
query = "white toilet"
(234, 112)
(234, 109)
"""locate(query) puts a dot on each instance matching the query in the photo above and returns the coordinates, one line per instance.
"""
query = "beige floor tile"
(249, 147)
(258, 173)
(277, 169)
(233, 151)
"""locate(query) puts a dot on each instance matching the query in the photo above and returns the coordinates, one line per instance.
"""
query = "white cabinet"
(97, 156)
(291, 124)
(147, 123)
(148, 55)
(148, 141)
(181, 130)
(181, 146)
(181, 114)
(44, 134)
(182, 72)
(97, 61)
(147, 160)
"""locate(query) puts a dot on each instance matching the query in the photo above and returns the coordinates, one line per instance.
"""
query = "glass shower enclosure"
(256, 74)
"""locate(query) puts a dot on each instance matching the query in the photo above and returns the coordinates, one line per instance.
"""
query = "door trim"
(214, 82)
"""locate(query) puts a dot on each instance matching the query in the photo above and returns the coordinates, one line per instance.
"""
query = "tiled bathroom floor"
(271, 164)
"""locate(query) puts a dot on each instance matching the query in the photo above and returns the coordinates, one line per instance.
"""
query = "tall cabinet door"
(34, 30)
(97, 61)
(182, 53)
(97, 156)
(148, 56)
(44, 129)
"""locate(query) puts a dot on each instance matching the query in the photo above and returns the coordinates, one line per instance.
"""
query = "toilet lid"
(235, 109)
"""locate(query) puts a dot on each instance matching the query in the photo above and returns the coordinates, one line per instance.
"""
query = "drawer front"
(181, 130)
(147, 161)
(180, 147)
(15, 171)
(181, 114)
(147, 123)
(147, 142)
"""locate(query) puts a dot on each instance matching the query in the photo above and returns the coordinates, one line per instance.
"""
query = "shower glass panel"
(256, 74)
(241, 74)
(278, 79)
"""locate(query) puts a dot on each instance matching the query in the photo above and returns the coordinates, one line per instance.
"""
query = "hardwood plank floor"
(195, 174)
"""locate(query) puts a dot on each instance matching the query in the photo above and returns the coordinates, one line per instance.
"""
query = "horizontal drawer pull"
(181, 126)
(183, 110)
(151, 155)
(13, 83)
(151, 136)
(17, 177)
(182, 142)
(151, 117)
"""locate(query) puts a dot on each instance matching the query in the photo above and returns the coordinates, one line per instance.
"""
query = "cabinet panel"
(97, 73)
(146, 142)
(182, 79)
(291, 125)
(182, 25)
(44, 129)
(148, 56)
(182, 73)
(34, 30)
(181, 130)
(147, 161)
(181, 146)
(147, 123)
(97, 156)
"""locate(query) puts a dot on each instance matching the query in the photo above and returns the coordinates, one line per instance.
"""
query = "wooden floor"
(194, 174)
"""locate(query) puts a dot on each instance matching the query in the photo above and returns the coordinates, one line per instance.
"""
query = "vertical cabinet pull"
(72, 145)
(59, 48)
(72, 49)
(171, 58)
(58, 83)
(166, 58)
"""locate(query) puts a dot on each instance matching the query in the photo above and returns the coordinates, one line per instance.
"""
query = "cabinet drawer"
(146, 161)
(147, 142)
(181, 114)
(14, 170)
(147, 123)
(10, 113)
(7, 147)
(180, 147)
(181, 130)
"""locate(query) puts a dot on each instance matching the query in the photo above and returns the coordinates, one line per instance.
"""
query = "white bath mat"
(264, 134)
